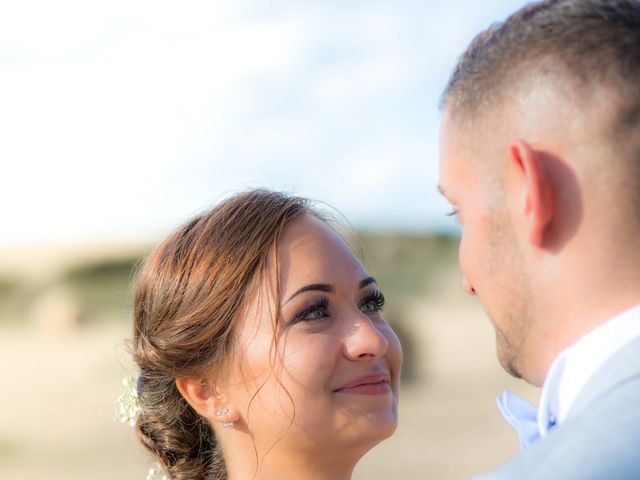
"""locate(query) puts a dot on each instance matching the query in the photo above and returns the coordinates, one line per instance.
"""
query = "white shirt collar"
(573, 367)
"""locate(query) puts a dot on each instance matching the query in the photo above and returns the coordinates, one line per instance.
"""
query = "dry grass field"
(62, 376)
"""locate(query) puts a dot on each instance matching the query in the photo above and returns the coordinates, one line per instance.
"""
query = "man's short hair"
(578, 46)
(591, 40)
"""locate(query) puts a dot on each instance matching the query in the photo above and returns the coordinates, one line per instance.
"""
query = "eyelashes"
(317, 310)
(454, 214)
(374, 301)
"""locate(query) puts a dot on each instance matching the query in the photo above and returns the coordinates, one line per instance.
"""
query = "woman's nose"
(365, 341)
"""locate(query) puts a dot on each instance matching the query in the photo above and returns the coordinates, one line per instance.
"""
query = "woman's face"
(326, 376)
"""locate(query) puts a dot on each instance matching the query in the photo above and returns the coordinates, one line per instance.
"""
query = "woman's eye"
(369, 307)
(373, 302)
(318, 310)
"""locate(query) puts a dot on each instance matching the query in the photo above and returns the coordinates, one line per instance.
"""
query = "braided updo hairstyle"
(188, 301)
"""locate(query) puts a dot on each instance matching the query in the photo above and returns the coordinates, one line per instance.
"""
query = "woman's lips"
(368, 385)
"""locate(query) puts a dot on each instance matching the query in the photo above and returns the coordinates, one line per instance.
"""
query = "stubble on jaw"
(512, 328)
(507, 354)
(510, 312)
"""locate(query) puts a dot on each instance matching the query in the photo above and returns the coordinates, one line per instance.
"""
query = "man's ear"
(537, 193)
(205, 398)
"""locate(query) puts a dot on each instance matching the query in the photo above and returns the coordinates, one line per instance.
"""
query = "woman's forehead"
(310, 247)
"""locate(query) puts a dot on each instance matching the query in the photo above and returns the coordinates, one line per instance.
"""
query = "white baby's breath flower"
(127, 411)
(157, 474)
(127, 404)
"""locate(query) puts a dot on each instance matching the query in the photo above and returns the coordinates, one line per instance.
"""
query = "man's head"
(540, 157)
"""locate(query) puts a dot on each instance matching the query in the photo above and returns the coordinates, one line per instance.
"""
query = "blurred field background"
(65, 315)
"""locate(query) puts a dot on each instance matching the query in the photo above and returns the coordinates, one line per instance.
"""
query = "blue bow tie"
(522, 416)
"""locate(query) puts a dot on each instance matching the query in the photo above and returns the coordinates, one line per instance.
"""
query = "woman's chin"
(374, 428)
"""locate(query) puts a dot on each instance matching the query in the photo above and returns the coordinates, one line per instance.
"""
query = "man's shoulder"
(620, 369)
(600, 440)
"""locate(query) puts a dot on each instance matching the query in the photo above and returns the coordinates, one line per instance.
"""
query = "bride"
(262, 350)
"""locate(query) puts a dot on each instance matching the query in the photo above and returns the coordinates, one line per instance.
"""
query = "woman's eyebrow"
(325, 287)
(367, 281)
(322, 287)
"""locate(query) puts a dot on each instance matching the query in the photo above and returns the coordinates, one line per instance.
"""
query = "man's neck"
(570, 325)
(592, 280)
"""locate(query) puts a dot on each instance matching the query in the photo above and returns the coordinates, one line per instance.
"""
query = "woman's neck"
(278, 464)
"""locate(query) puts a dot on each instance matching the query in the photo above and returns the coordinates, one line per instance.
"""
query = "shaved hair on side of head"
(590, 48)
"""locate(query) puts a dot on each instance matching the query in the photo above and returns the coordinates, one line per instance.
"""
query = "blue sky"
(120, 119)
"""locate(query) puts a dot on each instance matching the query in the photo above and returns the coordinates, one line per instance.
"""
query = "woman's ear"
(205, 398)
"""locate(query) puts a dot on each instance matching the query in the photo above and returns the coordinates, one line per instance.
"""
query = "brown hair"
(591, 40)
(189, 297)
(579, 44)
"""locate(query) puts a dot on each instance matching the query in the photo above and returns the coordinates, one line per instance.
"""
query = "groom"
(540, 160)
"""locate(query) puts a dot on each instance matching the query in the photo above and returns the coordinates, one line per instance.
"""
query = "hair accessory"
(127, 411)
(227, 425)
(127, 404)
(157, 474)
